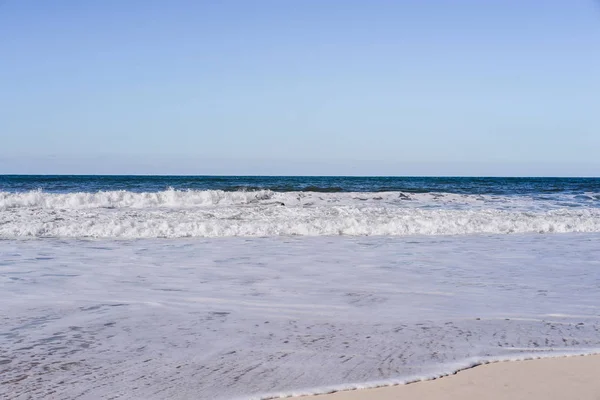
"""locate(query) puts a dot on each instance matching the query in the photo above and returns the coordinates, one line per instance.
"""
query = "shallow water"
(222, 318)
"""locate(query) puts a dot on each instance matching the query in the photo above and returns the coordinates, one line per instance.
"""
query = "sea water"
(246, 287)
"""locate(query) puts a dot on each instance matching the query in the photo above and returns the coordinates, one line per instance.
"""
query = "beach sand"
(564, 378)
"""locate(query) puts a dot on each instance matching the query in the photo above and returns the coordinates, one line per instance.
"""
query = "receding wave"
(175, 214)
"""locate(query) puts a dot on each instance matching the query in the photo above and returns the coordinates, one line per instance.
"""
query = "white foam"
(238, 317)
(124, 199)
(210, 198)
(177, 214)
(444, 371)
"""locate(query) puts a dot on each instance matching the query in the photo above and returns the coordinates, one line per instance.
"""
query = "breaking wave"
(214, 213)
(125, 199)
(218, 198)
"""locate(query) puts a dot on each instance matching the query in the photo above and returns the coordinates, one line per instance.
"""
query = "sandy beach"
(550, 378)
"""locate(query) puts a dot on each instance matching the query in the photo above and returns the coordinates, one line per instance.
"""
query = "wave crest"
(125, 199)
(215, 213)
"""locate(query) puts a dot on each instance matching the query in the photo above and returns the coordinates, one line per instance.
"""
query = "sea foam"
(215, 213)
(263, 317)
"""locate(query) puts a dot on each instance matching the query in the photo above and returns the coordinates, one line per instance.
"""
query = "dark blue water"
(462, 185)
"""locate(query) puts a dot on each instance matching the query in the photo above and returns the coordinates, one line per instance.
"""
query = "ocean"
(159, 287)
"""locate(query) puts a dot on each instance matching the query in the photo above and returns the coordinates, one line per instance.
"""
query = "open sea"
(159, 287)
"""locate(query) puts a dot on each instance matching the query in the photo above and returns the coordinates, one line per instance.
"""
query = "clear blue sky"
(433, 87)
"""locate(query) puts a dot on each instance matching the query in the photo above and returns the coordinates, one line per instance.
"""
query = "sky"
(300, 87)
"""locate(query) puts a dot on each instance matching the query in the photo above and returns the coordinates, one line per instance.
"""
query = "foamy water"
(260, 287)
(225, 318)
(216, 213)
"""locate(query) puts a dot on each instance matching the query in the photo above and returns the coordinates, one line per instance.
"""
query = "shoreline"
(549, 376)
(367, 390)
(281, 317)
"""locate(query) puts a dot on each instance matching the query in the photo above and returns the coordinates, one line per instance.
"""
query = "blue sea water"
(463, 185)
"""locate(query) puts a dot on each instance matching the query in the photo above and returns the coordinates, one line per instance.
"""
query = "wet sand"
(573, 378)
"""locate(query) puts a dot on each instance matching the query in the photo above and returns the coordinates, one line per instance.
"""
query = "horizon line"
(307, 176)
